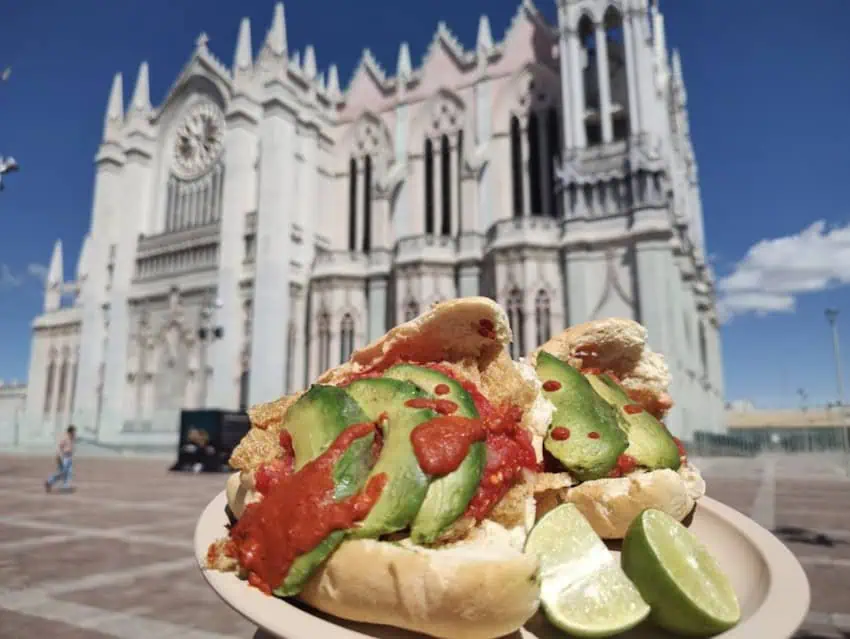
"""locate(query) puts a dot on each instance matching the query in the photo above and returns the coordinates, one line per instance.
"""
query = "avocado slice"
(314, 421)
(318, 418)
(407, 483)
(448, 496)
(594, 437)
(349, 475)
(650, 444)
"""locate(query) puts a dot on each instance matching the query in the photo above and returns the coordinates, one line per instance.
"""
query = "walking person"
(64, 460)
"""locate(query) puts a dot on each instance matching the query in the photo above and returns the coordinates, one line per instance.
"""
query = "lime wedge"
(677, 576)
(583, 589)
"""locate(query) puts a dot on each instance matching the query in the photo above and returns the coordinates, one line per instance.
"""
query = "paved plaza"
(114, 558)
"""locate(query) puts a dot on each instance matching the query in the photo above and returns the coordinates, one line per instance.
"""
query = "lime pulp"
(583, 589)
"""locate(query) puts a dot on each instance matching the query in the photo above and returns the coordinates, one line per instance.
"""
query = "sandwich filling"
(417, 453)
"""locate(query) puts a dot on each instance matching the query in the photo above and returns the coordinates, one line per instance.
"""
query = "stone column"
(575, 84)
(456, 195)
(299, 361)
(469, 280)
(240, 157)
(577, 305)
(635, 126)
(604, 84)
(107, 197)
(525, 170)
(654, 266)
(136, 198)
(271, 281)
(437, 164)
(377, 326)
(543, 151)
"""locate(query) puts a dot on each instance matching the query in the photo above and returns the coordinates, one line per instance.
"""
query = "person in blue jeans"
(64, 460)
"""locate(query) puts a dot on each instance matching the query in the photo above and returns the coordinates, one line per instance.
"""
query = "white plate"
(772, 588)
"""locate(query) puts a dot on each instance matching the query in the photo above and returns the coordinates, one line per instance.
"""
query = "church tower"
(633, 242)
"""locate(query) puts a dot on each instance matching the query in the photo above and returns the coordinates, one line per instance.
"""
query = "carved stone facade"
(261, 223)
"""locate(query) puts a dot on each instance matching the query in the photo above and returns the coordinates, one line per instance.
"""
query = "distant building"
(317, 217)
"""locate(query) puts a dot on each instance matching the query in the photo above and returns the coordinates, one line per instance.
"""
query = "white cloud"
(38, 271)
(7, 278)
(775, 271)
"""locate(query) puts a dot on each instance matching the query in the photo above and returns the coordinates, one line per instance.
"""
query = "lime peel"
(678, 577)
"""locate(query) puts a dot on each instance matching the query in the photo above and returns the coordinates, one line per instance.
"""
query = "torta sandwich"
(610, 395)
(399, 488)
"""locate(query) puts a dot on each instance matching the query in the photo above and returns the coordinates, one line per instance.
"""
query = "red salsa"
(509, 447)
(625, 465)
(633, 409)
(560, 433)
(270, 475)
(443, 443)
(297, 513)
(442, 406)
(593, 435)
(551, 385)
(442, 389)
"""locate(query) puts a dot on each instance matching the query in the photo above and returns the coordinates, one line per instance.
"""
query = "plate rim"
(777, 611)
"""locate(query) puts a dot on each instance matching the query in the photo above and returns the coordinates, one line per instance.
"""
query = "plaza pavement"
(114, 558)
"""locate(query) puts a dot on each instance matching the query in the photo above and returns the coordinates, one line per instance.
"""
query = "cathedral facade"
(262, 222)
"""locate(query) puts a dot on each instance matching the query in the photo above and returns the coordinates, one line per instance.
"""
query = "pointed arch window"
(617, 73)
(48, 392)
(352, 205)
(291, 335)
(346, 337)
(63, 384)
(535, 183)
(516, 165)
(74, 371)
(517, 320)
(553, 133)
(703, 349)
(446, 184)
(367, 204)
(429, 187)
(411, 310)
(244, 387)
(542, 317)
(324, 331)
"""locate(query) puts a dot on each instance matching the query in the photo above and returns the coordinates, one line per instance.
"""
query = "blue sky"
(769, 99)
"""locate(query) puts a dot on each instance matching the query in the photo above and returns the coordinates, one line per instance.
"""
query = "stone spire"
(485, 35)
(276, 36)
(310, 62)
(333, 83)
(83, 261)
(404, 68)
(242, 59)
(141, 94)
(115, 108)
(55, 280)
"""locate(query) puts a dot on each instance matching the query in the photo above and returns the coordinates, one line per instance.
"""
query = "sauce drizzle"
(442, 389)
(297, 513)
(442, 444)
(593, 435)
(551, 385)
(560, 433)
(442, 406)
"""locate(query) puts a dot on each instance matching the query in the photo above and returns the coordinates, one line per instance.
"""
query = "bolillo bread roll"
(619, 346)
(437, 591)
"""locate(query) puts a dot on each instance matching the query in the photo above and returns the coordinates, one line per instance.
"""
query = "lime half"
(677, 576)
(583, 589)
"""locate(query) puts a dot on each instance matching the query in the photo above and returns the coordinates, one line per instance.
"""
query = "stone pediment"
(202, 64)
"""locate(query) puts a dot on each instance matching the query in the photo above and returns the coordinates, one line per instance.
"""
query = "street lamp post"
(206, 335)
(832, 317)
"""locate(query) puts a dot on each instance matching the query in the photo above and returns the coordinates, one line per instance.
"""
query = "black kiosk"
(207, 439)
